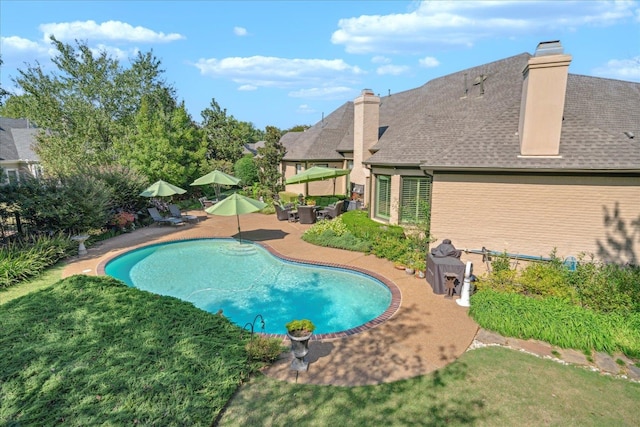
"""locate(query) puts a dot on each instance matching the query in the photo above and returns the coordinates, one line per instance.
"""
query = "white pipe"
(466, 285)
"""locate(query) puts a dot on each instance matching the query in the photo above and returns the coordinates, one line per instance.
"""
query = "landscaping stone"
(606, 363)
(532, 346)
(488, 337)
(633, 372)
(573, 356)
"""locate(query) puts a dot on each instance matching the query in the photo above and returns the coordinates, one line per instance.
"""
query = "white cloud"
(429, 62)
(264, 71)
(239, 31)
(394, 70)
(114, 52)
(18, 44)
(333, 92)
(623, 69)
(438, 23)
(247, 88)
(305, 109)
(109, 30)
(379, 59)
(16, 51)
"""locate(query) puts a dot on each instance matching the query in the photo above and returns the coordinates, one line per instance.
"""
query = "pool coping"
(392, 309)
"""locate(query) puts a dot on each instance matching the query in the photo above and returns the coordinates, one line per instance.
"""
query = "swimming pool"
(244, 280)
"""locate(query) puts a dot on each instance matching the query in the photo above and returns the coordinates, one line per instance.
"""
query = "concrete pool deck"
(425, 334)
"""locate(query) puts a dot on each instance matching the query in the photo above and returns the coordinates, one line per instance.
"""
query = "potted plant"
(299, 332)
(420, 266)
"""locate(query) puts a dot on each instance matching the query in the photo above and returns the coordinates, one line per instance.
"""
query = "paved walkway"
(425, 334)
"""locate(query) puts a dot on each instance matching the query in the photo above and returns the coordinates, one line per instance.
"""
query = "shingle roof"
(16, 139)
(324, 140)
(436, 126)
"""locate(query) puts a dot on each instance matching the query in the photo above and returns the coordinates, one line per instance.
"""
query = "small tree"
(246, 170)
(269, 159)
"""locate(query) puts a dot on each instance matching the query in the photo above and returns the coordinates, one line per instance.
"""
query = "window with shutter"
(414, 199)
(383, 196)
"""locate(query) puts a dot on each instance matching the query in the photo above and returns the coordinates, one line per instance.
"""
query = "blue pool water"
(244, 280)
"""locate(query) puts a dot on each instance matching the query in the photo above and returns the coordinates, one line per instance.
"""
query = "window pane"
(383, 196)
(414, 199)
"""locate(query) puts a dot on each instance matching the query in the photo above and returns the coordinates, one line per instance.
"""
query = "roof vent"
(367, 92)
(630, 135)
(549, 48)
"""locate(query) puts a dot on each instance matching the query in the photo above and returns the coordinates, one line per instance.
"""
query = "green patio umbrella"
(161, 188)
(217, 178)
(237, 205)
(318, 173)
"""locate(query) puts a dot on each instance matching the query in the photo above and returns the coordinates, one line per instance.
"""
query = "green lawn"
(92, 351)
(492, 386)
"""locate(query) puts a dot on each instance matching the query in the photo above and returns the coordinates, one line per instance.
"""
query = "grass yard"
(492, 386)
(92, 351)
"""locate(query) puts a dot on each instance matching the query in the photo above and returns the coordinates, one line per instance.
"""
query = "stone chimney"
(542, 106)
(366, 122)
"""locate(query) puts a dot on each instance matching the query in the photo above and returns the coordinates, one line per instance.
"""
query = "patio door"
(383, 197)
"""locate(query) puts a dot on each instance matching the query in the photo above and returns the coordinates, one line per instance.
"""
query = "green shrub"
(360, 225)
(501, 281)
(557, 322)
(264, 349)
(546, 280)
(27, 259)
(390, 248)
(500, 263)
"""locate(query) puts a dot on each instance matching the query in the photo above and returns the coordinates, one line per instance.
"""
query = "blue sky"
(289, 62)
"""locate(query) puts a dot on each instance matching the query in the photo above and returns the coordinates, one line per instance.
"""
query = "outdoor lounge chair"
(283, 212)
(175, 212)
(334, 210)
(307, 214)
(159, 219)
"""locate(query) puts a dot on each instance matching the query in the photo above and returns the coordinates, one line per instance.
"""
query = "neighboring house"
(516, 155)
(17, 157)
(252, 148)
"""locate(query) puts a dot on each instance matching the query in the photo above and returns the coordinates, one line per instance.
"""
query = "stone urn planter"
(299, 333)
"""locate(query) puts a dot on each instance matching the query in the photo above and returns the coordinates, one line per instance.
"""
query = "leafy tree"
(165, 145)
(297, 128)
(3, 92)
(268, 161)
(226, 136)
(72, 204)
(247, 170)
(86, 105)
(124, 185)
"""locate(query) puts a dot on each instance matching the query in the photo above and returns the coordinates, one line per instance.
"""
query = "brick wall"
(533, 214)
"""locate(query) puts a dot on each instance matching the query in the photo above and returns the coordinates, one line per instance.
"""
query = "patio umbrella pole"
(239, 232)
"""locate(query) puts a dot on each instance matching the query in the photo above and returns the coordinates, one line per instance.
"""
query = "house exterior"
(17, 157)
(516, 155)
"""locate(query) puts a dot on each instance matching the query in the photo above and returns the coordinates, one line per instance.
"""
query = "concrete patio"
(426, 333)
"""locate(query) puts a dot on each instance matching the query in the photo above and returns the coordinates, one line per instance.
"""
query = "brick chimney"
(366, 122)
(542, 106)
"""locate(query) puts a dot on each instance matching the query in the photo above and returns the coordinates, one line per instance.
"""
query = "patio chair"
(307, 214)
(175, 212)
(161, 220)
(206, 203)
(334, 210)
(282, 211)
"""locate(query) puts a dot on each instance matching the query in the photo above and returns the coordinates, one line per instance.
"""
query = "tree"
(247, 170)
(165, 144)
(297, 128)
(269, 159)
(86, 105)
(226, 136)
